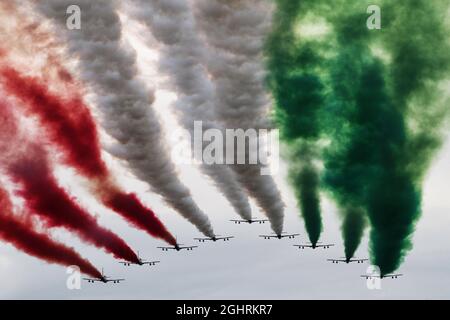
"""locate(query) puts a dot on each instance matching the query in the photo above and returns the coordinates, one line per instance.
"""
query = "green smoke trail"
(366, 168)
(298, 93)
(388, 120)
(361, 124)
(353, 225)
(306, 177)
(417, 40)
(377, 97)
(348, 157)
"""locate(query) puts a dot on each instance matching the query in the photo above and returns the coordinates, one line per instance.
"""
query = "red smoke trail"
(38, 245)
(35, 39)
(44, 197)
(28, 166)
(70, 125)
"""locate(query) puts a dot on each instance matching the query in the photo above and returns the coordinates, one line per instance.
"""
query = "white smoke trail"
(234, 31)
(172, 23)
(109, 66)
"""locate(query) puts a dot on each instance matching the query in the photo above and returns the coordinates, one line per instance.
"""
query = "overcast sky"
(247, 267)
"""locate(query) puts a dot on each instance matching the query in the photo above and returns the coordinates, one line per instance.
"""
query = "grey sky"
(247, 267)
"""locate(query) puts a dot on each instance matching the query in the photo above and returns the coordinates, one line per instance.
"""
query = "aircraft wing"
(224, 238)
(203, 239)
(337, 260)
(359, 260)
(268, 236)
(151, 262)
(290, 235)
(303, 245)
(92, 279)
(166, 248)
(324, 245)
(115, 280)
(282, 236)
(392, 276)
(190, 247)
(249, 221)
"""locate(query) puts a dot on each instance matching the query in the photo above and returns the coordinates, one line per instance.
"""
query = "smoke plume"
(389, 109)
(28, 166)
(70, 125)
(19, 232)
(109, 67)
(298, 91)
(234, 32)
(172, 23)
